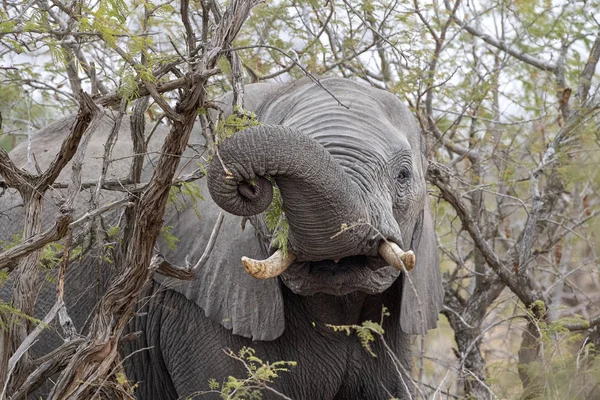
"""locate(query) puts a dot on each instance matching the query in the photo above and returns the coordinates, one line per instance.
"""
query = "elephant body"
(330, 365)
(372, 146)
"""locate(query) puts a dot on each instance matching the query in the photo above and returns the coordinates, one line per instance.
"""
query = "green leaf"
(184, 195)
(236, 122)
(7, 310)
(169, 238)
(277, 223)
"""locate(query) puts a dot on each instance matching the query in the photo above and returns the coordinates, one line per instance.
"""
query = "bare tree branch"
(162, 266)
(522, 56)
(521, 287)
(585, 78)
(56, 232)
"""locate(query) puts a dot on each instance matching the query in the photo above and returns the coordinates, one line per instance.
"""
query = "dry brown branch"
(71, 144)
(124, 202)
(585, 78)
(190, 36)
(520, 55)
(126, 185)
(96, 358)
(522, 288)
(36, 242)
(115, 98)
(237, 81)
(32, 189)
(30, 340)
(140, 146)
(13, 177)
(161, 265)
(46, 366)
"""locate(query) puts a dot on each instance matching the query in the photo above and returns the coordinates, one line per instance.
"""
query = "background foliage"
(507, 96)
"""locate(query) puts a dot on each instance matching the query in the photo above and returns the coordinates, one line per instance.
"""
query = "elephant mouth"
(365, 274)
(368, 274)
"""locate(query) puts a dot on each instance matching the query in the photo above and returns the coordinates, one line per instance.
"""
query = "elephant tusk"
(269, 268)
(399, 259)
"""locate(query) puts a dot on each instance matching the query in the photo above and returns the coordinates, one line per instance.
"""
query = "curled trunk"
(318, 196)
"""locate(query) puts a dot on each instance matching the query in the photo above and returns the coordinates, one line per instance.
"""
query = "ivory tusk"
(399, 259)
(269, 268)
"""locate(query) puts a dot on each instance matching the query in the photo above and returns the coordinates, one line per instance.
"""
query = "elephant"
(349, 164)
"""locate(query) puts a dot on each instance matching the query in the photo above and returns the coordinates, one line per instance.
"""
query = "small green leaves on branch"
(6, 310)
(184, 195)
(239, 120)
(366, 331)
(277, 223)
(260, 373)
(170, 239)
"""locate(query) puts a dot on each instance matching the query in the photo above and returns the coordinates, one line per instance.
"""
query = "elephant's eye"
(403, 175)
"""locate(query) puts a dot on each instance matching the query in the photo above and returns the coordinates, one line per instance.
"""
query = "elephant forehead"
(348, 115)
(365, 139)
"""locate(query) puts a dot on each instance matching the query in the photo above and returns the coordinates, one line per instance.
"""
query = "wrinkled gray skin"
(363, 165)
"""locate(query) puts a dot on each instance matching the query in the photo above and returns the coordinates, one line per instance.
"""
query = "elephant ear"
(228, 295)
(422, 291)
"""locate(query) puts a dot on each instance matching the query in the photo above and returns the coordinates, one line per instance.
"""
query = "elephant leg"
(378, 378)
(179, 349)
(143, 360)
(389, 374)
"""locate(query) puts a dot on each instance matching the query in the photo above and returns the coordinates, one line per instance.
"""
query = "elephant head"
(349, 163)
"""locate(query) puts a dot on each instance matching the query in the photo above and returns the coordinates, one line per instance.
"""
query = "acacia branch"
(518, 284)
(470, 153)
(141, 91)
(237, 81)
(30, 339)
(585, 78)
(23, 181)
(304, 70)
(13, 177)
(549, 158)
(140, 146)
(162, 266)
(583, 325)
(95, 359)
(45, 367)
(124, 202)
(375, 32)
(500, 44)
(36, 242)
(87, 119)
(189, 33)
(125, 185)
